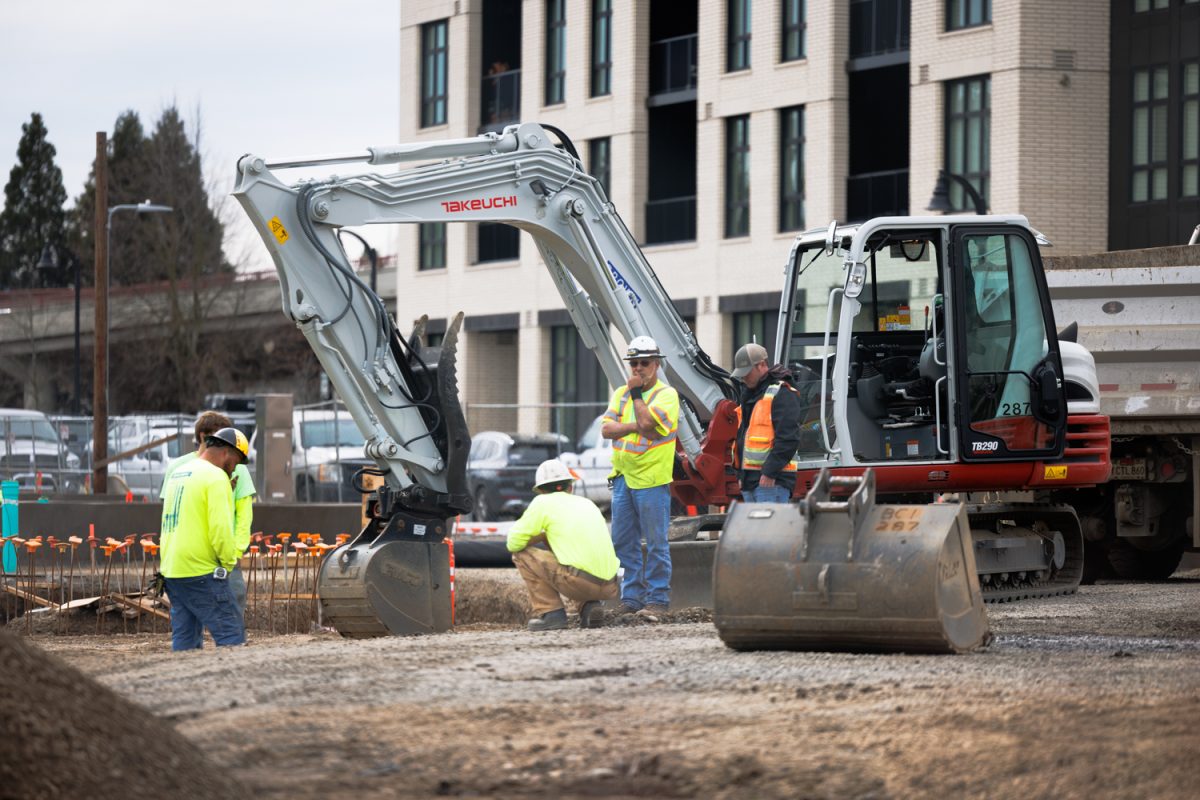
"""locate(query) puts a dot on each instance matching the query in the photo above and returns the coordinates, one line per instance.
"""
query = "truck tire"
(481, 511)
(1132, 563)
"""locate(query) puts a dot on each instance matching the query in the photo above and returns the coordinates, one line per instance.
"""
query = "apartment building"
(721, 128)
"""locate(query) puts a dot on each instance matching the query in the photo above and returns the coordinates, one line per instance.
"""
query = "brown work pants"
(549, 582)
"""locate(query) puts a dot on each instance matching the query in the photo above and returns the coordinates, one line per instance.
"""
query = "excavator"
(923, 349)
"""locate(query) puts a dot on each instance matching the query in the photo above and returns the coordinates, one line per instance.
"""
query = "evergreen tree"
(33, 215)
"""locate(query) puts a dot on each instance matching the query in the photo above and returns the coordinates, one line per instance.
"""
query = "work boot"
(624, 610)
(591, 614)
(653, 611)
(554, 620)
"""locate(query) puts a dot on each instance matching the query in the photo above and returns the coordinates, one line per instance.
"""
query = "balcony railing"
(671, 220)
(876, 194)
(673, 66)
(501, 100)
(878, 27)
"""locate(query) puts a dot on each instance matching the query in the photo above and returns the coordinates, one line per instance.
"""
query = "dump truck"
(1138, 313)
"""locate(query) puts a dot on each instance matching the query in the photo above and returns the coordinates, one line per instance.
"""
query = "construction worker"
(642, 420)
(768, 436)
(580, 563)
(198, 549)
(244, 492)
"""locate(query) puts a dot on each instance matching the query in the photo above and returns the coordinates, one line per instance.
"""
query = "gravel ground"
(1092, 695)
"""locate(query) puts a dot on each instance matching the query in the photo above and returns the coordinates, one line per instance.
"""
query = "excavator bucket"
(848, 575)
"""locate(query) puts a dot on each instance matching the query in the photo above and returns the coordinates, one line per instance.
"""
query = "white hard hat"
(642, 347)
(551, 472)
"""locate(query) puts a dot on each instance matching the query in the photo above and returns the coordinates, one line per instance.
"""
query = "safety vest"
(644, 462)
(760, 433)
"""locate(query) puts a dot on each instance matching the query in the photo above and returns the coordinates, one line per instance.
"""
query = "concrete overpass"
(41, 322)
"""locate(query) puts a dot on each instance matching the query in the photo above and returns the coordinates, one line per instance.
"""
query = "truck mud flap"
(396, 587)
(831, 575)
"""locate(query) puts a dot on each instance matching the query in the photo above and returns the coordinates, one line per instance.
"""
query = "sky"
(278, 78)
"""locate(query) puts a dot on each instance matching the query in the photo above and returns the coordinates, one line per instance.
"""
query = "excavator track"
(1029, 520)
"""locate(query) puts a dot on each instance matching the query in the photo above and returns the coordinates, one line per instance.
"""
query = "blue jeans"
(767, 494)
(237, 585)
(639, 514)
(199, 603)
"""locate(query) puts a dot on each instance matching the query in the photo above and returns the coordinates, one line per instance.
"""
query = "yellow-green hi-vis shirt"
(643, 462)
(197, 521)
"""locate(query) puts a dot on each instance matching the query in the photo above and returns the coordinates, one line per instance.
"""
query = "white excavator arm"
(412, 420)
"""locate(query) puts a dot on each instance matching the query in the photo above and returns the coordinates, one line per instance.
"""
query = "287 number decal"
(1014, 409)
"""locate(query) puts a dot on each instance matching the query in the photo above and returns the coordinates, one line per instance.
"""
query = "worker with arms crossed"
(244, 492)
(198, 548)
(768, 414)
(643, 420)
(580, 563)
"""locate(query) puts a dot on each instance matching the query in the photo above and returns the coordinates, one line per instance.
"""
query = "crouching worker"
(579, 564)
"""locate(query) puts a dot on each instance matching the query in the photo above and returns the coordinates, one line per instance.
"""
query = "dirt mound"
(65, 735)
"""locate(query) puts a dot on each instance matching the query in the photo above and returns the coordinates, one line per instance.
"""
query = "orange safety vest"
(760, 433)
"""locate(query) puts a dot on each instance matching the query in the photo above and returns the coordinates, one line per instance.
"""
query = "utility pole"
(100, 324)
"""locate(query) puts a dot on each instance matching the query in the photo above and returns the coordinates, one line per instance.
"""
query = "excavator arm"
(408, 410)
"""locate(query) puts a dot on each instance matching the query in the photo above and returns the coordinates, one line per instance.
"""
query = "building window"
(1152, 5)
(737, 176)
(738, 36)
(750, 326)
(795, 26)
(791, 168)
(601, 47)
(432, 238)
(433, 73)
(556, 51)
(968, 137)
(1150, 94)
(967, 13)
(1190, 152)
(600, 161)
(498, 242)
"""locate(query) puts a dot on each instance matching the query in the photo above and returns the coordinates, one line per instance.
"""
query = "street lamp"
(372, 256)
(100, 422)
(940, 201)
(51, 262)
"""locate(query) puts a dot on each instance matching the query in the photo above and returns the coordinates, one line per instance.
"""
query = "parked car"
(143, 472)
(327, 450)
(592, 462)
(33, 453)
(501, 467)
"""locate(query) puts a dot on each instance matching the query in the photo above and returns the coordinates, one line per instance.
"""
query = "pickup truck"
(592, 463)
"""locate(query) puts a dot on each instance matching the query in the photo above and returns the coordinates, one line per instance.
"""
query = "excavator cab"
(932, 343)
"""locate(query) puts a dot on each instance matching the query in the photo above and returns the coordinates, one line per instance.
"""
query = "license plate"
(1129, 470)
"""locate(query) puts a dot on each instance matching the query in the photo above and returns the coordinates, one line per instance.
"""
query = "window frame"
(737, 38)
(791, 199)
(959, 14)
(555, 89)
(980, 179)
(1157, 115)
(793, 30)
(431, 246)
(602, 171)
(737, 171)
(600, 79)
(1189, 113)
(435, 63)
(502, 229)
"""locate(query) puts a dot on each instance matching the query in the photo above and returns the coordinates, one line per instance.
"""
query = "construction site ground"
(1091, 695)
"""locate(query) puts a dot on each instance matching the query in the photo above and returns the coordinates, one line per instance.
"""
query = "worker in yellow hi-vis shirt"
(642, 420)
(561, 547)
(198, 546)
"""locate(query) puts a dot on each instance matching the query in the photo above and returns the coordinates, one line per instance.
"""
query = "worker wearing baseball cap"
(244, 492)
(577, 560)
(768, 414)
(198, 547)
(642, 420)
